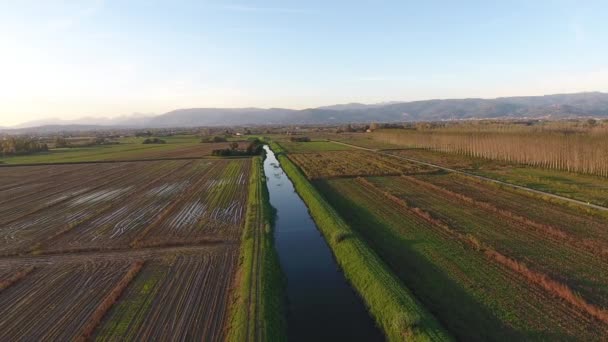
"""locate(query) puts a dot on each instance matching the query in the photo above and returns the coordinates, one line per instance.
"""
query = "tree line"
(584, 151)
(21, 145)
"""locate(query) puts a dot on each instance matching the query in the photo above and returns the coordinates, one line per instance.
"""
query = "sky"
(96, 58)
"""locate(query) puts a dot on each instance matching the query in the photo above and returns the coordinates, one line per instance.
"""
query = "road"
(515, 186)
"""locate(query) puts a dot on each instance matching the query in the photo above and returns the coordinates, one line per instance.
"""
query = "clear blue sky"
(70, 59)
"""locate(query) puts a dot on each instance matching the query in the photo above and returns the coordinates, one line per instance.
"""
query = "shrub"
(154, 141)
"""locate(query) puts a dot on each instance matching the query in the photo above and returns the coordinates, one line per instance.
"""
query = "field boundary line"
(487, 179)
(109, 300)
(15, 278)
(123, 161)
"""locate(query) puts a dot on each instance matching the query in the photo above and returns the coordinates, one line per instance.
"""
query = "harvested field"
(164, 201)
(180, 293)
(353, 163)
(121, 250)
(213, 208)
(473, 294)
(55, 302)
(35, 221)
(182, 297)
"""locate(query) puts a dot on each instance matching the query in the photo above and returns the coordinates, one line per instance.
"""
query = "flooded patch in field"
(99, 196)
(168, 189)
(212, 183)
(66, 196)
(322, 306)
(189, 215)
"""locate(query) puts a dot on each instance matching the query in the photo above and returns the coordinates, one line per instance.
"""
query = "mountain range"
(558, 106)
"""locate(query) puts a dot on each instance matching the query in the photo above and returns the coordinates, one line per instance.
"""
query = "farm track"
(450, 269)
(487, 179)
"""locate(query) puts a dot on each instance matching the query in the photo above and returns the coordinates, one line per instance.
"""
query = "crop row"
(352, 163)
(537, 278)
(588, 227)
(474, 296)
(540, 247)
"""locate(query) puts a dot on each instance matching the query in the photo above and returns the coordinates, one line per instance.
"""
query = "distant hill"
(594, 104)
(550, 106)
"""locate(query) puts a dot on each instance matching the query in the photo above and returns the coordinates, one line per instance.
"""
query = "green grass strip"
(393, 306)
(258, 312)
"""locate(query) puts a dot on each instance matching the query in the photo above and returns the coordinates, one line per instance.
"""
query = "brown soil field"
(61, 297)
(109, 206)
(353, 163)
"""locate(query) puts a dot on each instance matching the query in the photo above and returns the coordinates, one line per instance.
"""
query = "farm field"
(353, 163)
(123, 250)
(179, 292)
(313, 146)
(359, 139)
(141, 202)
(488, 261)
(456, 271)
(587, 188)
(129, 149)
(363, 140)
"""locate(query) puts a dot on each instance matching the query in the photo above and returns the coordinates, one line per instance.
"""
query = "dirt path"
(468, 174)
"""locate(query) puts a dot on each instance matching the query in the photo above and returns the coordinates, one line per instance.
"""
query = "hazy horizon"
(77, 59)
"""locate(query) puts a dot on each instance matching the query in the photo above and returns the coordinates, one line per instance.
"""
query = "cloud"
(245, 8)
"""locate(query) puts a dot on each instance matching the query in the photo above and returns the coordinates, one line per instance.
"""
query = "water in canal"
(321, 304)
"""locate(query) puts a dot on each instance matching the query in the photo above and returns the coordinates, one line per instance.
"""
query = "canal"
(322, 306)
